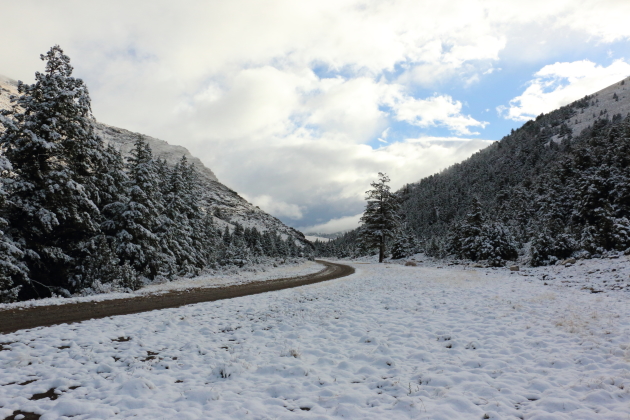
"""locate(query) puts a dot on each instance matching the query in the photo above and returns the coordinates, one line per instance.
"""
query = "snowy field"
(388, 342)
(260, 272)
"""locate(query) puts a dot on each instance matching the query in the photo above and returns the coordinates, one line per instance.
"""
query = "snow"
(8, 87)
(391, 341)
(260, 272)
(604, 101)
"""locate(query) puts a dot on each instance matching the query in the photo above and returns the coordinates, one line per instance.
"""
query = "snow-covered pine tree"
(102, 271)
(179, 231)
(112, 179)
(133, 222)
(99, 268)
(227, 236)
(465, 240)
(50, 142)
(194, 213)
(478, 239)
(210, 241)
(404, 244)
(13, 270)
(269, 244)
(164, 176)
(399, 247)
(380, 218)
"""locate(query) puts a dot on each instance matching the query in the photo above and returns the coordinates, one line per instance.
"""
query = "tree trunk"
(381, 251)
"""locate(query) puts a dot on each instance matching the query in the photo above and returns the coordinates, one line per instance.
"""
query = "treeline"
(76, 217)
(539, 192)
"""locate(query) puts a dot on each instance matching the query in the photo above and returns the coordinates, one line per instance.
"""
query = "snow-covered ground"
(259, 272)
(390, 341)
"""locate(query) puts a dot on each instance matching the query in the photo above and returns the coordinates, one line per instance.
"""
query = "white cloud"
(256, 102)
(323, 177)
(341, 224)
(559, 84)
(434, 111)
(275, 207)
(280, 98)
(349, 109)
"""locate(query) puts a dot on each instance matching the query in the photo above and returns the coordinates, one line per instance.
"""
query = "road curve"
(41, 316)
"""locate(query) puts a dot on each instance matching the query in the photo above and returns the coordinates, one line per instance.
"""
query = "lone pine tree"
(381, 218)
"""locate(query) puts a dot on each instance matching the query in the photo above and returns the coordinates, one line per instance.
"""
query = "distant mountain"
(316, 238)
(557, 187)
(225, 203)
(325, 235)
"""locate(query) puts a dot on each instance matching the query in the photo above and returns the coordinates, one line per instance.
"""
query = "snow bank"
(387, 342)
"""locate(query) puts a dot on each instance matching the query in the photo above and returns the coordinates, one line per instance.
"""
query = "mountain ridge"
(556, 187)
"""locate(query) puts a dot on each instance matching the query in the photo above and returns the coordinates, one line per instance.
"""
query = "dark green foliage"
(134, 220)
(547, 248)
(101, 269)
(563, 198)
(404, 245)
(50, 142)
(478, 239)
(381, 217)
(13, 270)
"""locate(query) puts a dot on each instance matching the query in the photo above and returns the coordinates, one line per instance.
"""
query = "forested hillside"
(76, 216)
(545, 191)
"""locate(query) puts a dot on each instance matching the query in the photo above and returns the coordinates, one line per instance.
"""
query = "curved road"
(41, 316)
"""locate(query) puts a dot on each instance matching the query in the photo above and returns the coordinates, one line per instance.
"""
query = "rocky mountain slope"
(225, 203)
(610, 101)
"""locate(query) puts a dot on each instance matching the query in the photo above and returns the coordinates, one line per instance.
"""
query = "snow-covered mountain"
(216, 197)
(555, 188)
(608, 102)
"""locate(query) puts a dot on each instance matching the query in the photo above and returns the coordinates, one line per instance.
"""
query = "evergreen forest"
(76, 217)
(539, 194)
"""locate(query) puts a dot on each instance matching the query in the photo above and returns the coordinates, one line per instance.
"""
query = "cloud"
(282, 99)
(438, 110)
(559, 84)
(341, 224)
(277, 208)
(256, 102)
(325, 178)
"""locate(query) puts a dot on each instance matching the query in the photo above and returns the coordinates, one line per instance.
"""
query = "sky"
(297, 105)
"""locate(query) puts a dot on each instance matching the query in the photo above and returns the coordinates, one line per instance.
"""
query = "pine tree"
(380, 219)
(404, 245)
(50, 142)
(13, 270)
(209, 240)
(134, 221)
(227, 237)
(283, 248)
(194, 213)
(269, 244)
(101, 270)
(479, 239)
(112, 180)
(180, 222)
